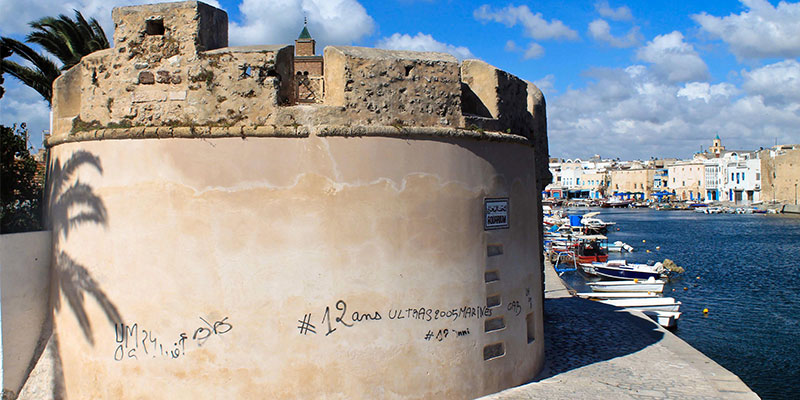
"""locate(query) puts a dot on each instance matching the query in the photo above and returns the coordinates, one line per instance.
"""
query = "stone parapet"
(171, 69)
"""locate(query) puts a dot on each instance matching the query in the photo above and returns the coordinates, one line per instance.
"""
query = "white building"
(742, 179)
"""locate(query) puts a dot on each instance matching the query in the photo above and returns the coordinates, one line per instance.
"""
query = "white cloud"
(600, 30)
(535, 26)
(511, 46)
(777, 83)
(674, 59)
(422, 42)
(760, 32)
(705, 91)
(634, 113)
(534, 50)
(23, 104)
(622, 13)
(275, 22)
(546, 84)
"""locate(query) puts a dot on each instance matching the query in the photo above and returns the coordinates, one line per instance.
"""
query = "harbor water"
(744, 268)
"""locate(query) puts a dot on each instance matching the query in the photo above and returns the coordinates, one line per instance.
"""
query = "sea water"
(744, 268)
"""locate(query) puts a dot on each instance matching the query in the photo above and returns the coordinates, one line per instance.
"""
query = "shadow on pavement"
(580, 332)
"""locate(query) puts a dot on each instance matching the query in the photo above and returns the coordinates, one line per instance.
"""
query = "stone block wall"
(170, 74)
(392, 87)
(780, 174)
(168, 29)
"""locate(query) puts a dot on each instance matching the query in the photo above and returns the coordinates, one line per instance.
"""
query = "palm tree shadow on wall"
(73, 204)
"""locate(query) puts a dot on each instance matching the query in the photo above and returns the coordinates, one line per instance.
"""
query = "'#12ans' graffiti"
(339, 317)
(129, 338)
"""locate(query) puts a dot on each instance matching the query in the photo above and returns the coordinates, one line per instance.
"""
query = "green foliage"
(5, 52)
(67, 39)
(20, 184)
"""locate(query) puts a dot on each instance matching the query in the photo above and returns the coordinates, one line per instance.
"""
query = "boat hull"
(639, 287)
(618, 273)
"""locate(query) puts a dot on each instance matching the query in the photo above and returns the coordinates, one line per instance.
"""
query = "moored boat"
(590, 250)
(649, 285)
(645, 304)
(616, 203)
(617, 295)
(621, 269)
(667, 319)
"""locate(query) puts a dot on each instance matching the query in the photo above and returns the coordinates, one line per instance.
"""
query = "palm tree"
(67, 39)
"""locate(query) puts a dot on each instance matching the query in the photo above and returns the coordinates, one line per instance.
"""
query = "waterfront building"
(780, 167)
(686, 178)
(742, 177)
(636, 181)
(731, 175)
(576, 178)
(554, 189)
(713, 179)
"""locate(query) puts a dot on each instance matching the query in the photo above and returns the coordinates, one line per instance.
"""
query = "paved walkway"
(595, 351)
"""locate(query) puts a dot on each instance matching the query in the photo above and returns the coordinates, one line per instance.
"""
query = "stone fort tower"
(217, 236)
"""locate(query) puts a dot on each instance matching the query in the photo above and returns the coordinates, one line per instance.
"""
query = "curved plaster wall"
(294, 267)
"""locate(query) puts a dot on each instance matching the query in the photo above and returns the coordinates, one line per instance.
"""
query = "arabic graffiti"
(133, 341)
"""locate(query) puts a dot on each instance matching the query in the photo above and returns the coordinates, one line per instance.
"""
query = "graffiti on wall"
(133, 341)
(340, 317)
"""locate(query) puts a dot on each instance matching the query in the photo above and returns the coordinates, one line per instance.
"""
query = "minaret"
(716, 148)
(308, 68)
(305, 44)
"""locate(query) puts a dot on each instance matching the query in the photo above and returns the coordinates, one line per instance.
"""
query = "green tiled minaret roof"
(304, 34)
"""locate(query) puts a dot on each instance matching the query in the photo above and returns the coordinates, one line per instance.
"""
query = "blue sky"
(622, 79)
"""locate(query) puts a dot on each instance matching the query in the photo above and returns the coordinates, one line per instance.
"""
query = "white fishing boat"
(591, 222)
(649, 285)
(621, 269)
(618, 247)
(645, 304)
(667, 319)
(617, 295)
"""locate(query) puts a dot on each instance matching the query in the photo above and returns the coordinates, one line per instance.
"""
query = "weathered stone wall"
(220, 87)
(185, 28)
(780, 175)
(392, 87)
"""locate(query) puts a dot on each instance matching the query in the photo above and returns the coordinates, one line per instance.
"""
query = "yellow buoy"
(644, 241)
(685, 288)
(635, 280)
(705, 311)
(698, 277)
(648, 251)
